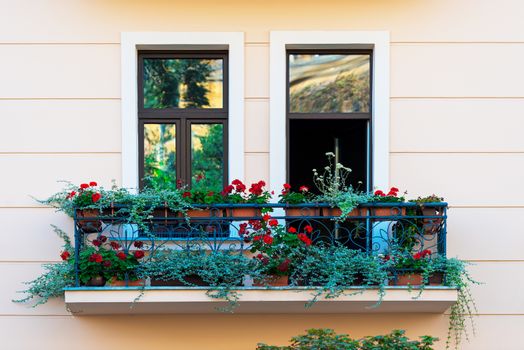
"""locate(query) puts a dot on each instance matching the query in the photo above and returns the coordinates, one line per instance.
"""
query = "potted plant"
(292, 198)
(275, 249)
(235, 193)
(334, 190)
(430, 225)
(388, 203)
(410, 268)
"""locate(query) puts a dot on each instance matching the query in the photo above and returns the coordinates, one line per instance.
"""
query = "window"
(183, 118)
(329, 110)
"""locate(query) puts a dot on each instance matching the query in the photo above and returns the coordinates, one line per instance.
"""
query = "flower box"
(86, 221)
(114, 282)
(191, 280)
(245, 212)
(392, 210)
(303, 211)
(272, 280)
(204, 213)
(408, 279)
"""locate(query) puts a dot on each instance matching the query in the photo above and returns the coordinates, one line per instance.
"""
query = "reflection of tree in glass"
(176, 83)
(159, 156)
(348, 93)
(208, 156)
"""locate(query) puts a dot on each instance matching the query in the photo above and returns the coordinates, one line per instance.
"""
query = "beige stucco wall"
(457, 107)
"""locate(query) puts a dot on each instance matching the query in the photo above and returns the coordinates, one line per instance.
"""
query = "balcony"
(368, 235)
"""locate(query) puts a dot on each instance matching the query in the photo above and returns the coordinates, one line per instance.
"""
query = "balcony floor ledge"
(253, 300)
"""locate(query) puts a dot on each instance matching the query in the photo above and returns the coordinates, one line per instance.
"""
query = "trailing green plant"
(328, 339)
(222, 271)
(428, 199)
(72, 197)
(56, 277)
(332, 269)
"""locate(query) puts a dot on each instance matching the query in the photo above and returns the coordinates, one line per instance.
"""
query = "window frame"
(183, 118)
(331, 115)
(279, 42)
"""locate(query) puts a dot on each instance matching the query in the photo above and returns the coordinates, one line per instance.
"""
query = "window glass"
(160, 155)
(329, 83)
(207, 156)
(183, 83)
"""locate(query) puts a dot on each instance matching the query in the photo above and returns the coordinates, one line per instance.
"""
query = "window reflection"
(183, 83)
(207, 156)
(160, 155)
(324, 83)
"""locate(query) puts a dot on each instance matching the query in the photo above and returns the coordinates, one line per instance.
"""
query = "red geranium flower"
(102, 238)
(95, 257)
(379, 193)
(96, 197)
(138, 244)
(242, 228)
(93, 184)
(266, 217)
(96, 242)
(303, 189)
(121, 255)
(308, 228)
(292, 230)
(115, 245)
(186, 194)
(84, 186)
(268, 239)
(273, 222)
(139, 254)
(286, 186)
(106, 263)
(284, 266)
(304, 239)
(65, 255)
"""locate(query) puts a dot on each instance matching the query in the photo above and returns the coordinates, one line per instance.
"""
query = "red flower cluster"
(95, 197)
(65, 255)
(186, 194)
(138, 244)
(284, 266)
(239, 186)
(292, 230)
(121, 255)
(95, 257)
(115, 245)
(304, 238)
(286, 188)
(393, 192)
(257, 188)
(139, 254)
(422, 254)
(308, 228)
(303, 189)
(273, 222)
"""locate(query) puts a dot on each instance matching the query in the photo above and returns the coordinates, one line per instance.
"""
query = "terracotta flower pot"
(245, 212)
(405, 279)
(431, 225)
(303, 211)
(191, 280)
(388, 211)
(436, 279)
(204, 213)
(86, 224)
(337, 212)
(272, 280)
(98, 281)
(114, 282)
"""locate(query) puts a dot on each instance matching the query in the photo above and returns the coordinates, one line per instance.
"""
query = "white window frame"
(280, 41)
(131, 42)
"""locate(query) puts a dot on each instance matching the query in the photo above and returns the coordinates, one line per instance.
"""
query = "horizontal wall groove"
(58, 98)
(5, 43)
(456, 97)
(60, 153)
(256, 98)
(457, 152)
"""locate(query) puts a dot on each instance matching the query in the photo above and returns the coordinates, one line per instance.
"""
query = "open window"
(329, 110)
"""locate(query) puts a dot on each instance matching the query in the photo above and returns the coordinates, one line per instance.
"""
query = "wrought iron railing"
(372, 228)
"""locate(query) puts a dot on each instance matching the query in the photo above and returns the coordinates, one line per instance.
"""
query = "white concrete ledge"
(99, 301)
